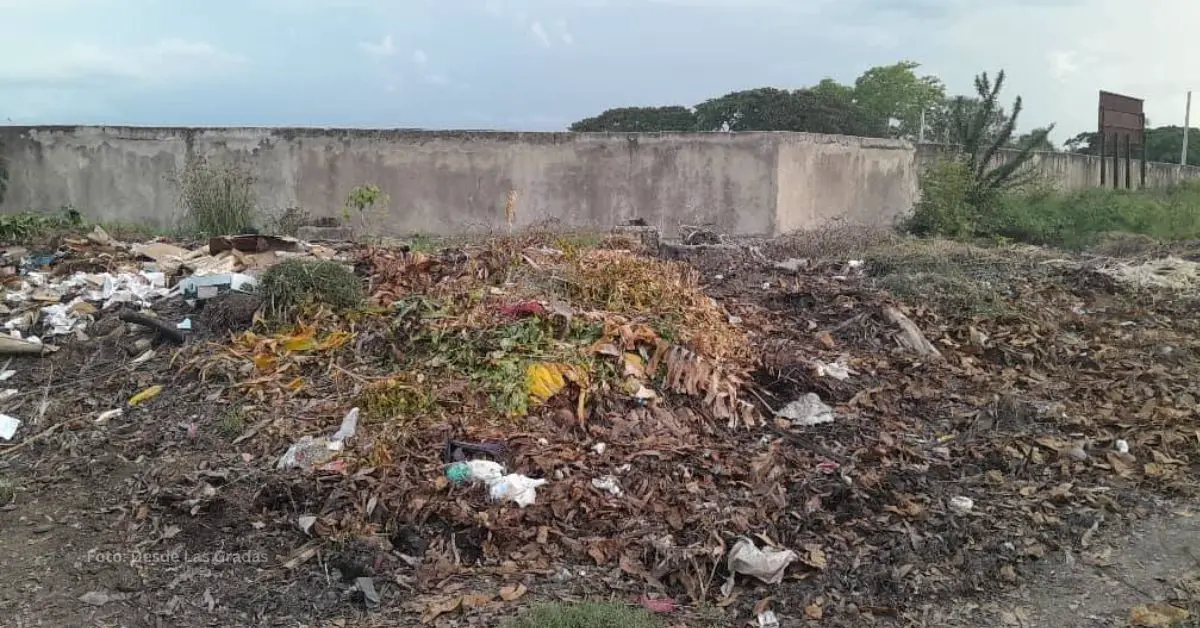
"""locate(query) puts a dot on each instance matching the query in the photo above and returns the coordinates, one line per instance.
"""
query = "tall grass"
(1039, 214)
(217, 199)
(1081, 219)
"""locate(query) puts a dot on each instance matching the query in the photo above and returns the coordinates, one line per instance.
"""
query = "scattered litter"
(1122, 446)
(306, 522)
(767, 619)
(185, 324)
(100, 598)
(660, 605)
(961, 505)
(8, 426)
(766, 564)
(793, 264)
(484, 471)
(17, 346)
(608, 483)
(458, 451)
(308, 453)
(515, 487)
(145, 395)
(203, 287)
(8, 393)
(807, 410)
(836, 370)
(367, 587)
(108, 415)
(600, 448)
(7, 373)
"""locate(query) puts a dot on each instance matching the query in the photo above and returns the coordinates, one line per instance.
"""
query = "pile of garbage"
(521, 405)
(59, 292)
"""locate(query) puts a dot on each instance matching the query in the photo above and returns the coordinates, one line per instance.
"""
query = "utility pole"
(921, 133)
(1187, 122)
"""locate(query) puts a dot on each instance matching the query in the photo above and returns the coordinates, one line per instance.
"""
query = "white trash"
(807, 410)
(516, 488)
(767, 565)
(8, 426)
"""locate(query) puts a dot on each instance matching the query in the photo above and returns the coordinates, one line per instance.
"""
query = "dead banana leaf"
(543, 380)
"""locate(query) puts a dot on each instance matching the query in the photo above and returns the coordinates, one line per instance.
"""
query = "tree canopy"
(639, 119)
(886, 101)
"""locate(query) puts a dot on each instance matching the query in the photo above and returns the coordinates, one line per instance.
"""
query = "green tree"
(981, 143)
(638, 119)
(761, 109)
(826, 108)
(895, 94)
(939, 120)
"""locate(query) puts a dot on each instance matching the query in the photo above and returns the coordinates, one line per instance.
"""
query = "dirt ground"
(172, 514)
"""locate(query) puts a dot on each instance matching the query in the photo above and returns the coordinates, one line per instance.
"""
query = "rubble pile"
(778, 428)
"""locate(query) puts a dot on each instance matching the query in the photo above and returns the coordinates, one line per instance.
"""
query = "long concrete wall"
(1073, 171)
(454, 182)
(458, 182)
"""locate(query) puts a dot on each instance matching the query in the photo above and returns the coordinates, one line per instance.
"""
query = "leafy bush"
(291, 284)
(584, 615)
(217, 199)
(945, 207)
(28, 225)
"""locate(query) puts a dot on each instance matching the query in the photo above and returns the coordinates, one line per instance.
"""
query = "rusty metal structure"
(1122, 125)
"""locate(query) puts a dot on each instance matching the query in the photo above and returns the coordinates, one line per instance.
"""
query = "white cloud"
(84, 64)
(385, 48)
(540, 33)
(420, 59)
(563, 33)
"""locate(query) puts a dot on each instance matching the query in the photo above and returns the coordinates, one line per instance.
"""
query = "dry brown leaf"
(813, 612)
(441, 607)
(513, 593)
(1157, 614)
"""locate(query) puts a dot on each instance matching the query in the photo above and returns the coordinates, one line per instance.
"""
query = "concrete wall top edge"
(128, 132)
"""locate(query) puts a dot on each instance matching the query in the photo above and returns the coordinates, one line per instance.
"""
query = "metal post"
(1103, 155)
(1116, 160)
(1187, 122)
(1128, 158)
(1143, 185)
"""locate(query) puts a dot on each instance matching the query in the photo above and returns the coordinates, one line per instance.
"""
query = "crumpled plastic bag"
(766, 564)
(484, 471)
(807, 410)
(308, 453)
(515, 487)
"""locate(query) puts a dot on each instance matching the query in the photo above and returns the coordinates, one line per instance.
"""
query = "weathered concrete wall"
(828, 177)
(458, 182)
(454, 182)
(1072, 171)
(439, 182)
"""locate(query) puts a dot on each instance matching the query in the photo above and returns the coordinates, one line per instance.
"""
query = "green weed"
(584, 615)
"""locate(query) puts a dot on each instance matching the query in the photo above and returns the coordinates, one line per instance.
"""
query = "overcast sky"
(541, 64)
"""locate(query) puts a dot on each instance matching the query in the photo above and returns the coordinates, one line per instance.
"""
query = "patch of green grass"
(584, 615)
(7, 492)
(233, 423)
(28, 225)
(1076, 220)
